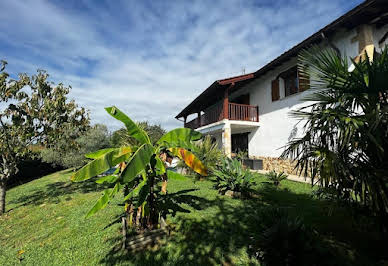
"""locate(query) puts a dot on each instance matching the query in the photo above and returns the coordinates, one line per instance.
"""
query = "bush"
(70, 153)
(283, 239)
(276, 178)
(231, 175)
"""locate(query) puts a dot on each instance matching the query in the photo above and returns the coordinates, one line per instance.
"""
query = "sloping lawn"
(46, 221)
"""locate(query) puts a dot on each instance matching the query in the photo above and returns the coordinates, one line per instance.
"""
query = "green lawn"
(45, 219)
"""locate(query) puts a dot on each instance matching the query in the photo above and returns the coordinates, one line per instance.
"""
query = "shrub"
(283, 239)
(68, 152)
(231, 175)
(276, 178)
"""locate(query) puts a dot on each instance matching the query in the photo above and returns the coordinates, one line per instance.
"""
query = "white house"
(251, 112)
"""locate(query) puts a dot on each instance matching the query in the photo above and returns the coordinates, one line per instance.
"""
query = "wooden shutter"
(303, 80)
(275, 90)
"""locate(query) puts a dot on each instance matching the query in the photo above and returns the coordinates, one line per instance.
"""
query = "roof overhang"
(368, 12)
(214, 93)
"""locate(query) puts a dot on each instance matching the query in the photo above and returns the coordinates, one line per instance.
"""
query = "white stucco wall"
(276, 126)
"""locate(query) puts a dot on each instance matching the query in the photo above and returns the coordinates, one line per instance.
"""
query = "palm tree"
(345, 142)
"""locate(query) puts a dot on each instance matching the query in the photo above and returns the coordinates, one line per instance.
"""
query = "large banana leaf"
(102, 164)
(103, 201)
(175, 176)
(143, 194)
(160, 168)
(137, 163)
(133, 130)
(100, 204)
(180, 134)
(107, 179)
(190, 160)
(135, 190)
(99, 153)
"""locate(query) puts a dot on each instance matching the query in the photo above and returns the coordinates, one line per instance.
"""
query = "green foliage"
(231, 175)
(141, 168)
(34, 112)
(345, 143)
(208, 152)
(69, 150)
(276, 178)
(121, 137)
(133, 130)
(284, 239)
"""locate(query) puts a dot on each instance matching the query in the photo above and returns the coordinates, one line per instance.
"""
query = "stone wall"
(277, 164)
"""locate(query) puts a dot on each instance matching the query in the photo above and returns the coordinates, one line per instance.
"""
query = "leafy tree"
(69, 150)
(345, 144)
(35, 112)
(121, 137)
(141, 167)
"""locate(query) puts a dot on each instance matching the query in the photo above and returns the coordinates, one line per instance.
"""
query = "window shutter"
(275, 90)
(303, 80)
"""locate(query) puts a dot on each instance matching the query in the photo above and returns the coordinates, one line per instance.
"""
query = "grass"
(45, 220)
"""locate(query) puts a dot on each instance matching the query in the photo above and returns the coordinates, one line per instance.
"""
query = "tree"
(345, 144)
(69, 150)
(141, 168)
(120, 137)
(35, 112)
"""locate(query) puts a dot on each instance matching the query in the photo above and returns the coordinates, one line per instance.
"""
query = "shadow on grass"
(222, 236)
(54, 192)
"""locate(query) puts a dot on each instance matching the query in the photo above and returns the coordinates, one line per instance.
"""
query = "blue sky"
(151, 58)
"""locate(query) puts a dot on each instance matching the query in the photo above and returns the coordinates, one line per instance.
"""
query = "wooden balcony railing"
(241, 112)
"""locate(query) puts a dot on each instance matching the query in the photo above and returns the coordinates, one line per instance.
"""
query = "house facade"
(251, 112)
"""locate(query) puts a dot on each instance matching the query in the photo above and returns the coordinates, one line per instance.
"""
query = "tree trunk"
(2, 196)
(124, 232)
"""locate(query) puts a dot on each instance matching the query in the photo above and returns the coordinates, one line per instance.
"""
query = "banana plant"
(140, 168)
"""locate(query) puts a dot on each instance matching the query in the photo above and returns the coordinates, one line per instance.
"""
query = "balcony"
(234, 111)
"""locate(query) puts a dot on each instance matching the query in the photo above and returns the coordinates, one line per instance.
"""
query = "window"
(290, 78)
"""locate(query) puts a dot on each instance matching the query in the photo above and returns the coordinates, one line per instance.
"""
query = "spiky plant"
(346, 127)
(231, 175)
(276, 178)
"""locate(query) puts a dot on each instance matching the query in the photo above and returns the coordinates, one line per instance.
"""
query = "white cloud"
(151, 61)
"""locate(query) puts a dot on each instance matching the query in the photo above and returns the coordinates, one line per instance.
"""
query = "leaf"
(102, 164)
(107, 179)
(190, 160)
(175, 176)
(133, 129)
(104, 200)
(122, 154)
(144, 191)
(100, 204)
(180, 134)
(99, 153)
(95, 167)
(160, 168)
(135, 190)
(137, 163)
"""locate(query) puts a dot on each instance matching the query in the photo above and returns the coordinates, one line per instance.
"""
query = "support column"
(226, 104)
(227, 139)
(199, 119)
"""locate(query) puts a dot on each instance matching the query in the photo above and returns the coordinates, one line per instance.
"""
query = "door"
(240, 142)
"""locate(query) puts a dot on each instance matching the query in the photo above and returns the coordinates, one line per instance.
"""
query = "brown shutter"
(275, 90)
(304, 81)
